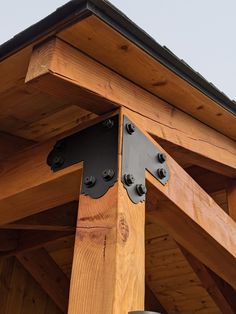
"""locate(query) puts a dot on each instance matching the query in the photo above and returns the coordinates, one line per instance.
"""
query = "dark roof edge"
(70, 12)
(78, 9)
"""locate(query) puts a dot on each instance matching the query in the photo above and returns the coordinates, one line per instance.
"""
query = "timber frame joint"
(97, 147)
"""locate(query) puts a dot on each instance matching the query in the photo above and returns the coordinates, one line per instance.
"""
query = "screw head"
(108, 174)
(141, 189)
(162, 173)
(108, 123)
(129, 179)
(130, 127)
(57, 161)
(161, 157)
(90, 181)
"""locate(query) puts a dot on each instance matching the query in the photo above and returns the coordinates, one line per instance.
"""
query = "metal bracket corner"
(140, 154)
(97, 147)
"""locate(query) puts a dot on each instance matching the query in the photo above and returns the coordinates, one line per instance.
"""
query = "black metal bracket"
(97, 146)
(140, 154)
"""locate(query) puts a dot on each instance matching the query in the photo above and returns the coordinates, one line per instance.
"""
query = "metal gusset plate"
(140, 154)
(97, 146)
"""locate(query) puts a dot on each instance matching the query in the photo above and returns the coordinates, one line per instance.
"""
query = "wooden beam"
(48, 275)
(63, 71)
(26, 178)
(231, 196)
(192, 217)
(11, 144)
(60, 218)
(221, 292)
(108, 266)
(111, 48)
(24, 241)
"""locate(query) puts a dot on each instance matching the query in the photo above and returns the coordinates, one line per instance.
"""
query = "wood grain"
(109, 47)
(48, 275)
(108, 265)
(222, 293)
(49, 72)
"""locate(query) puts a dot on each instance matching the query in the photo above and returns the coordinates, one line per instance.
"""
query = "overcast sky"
(200, 32)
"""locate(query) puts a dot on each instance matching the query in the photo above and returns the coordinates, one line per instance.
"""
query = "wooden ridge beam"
(221, 292)
(48, 275)
(63, 71)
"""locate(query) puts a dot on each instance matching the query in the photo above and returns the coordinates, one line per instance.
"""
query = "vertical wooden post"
(231, 196)
(108, 267)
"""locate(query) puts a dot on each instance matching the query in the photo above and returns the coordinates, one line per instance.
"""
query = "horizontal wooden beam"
(111, 48)
(63, 71)
(48, 275)
(29, 186)
(221, 292)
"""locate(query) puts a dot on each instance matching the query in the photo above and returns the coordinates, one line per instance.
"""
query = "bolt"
(129, 179)
(108, 174)
(57, 161)
(161, 173)
(108, 124)
(161, 157)
(130, 127)
(90, 181)
(141, 189)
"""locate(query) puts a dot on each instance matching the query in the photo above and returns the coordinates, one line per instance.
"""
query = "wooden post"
(108, 266)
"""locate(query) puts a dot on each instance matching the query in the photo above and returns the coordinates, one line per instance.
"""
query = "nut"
(129, 179)
(161, 173)
(141, 189)
(108, 174)
(130, 127)
(90, 181)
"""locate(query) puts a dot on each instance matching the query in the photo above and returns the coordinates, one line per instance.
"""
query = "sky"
(200, 32)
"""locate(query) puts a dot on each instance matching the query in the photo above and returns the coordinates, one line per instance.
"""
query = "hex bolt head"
(57, 161)
(129, 179)
(162, 173)
(108, 174)
(161, 157)
(90, 181)
(141, 189)
(108, 123)
(130, 127)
